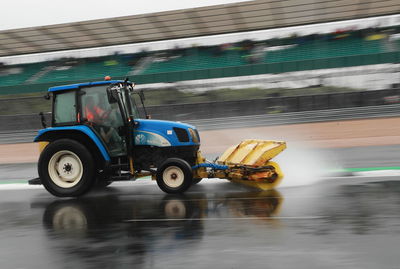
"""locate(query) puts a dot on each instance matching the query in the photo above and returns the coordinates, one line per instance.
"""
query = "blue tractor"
(97, 136)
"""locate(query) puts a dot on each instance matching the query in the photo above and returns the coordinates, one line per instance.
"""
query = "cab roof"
(84, 84)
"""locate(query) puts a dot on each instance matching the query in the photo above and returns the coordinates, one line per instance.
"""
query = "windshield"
(97, 109)
(135, 98)
(130, 104)
(95, 98)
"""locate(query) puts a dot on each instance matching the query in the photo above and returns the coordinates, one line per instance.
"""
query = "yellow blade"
(252, 152)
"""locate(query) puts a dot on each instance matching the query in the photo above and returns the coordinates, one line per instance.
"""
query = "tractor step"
(122, 166)
(123, 177)
(35, 181)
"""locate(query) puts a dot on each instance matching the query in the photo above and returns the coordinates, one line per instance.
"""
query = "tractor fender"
(81, 133)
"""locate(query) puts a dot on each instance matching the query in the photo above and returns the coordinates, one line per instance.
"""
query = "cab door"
(104, 118)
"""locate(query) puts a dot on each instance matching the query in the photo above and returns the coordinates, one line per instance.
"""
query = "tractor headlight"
(195, 135)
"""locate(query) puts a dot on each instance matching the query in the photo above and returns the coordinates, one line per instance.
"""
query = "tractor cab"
(105, 107)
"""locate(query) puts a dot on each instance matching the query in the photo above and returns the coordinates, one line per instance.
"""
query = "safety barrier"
(221, 109)
(27, 135)
(275, 105)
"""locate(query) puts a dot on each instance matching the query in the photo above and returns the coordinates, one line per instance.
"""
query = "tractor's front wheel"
(174, 176)
(66, 168)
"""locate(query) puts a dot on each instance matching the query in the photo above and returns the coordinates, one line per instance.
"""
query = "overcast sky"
(26, 13)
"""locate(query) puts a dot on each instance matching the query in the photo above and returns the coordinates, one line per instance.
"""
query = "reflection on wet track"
(98, 212)
(115, 225)
(334, 224)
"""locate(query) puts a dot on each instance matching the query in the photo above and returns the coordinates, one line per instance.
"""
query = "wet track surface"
(336, 223)
(372, 156)
(347, 222)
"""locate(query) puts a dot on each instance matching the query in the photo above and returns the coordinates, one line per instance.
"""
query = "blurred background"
(236, 70)
(241, 58)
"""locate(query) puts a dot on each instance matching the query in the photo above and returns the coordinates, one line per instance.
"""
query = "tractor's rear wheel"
(174, 176)
(66, 168)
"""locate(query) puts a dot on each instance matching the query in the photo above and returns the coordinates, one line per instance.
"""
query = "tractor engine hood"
(162, 133)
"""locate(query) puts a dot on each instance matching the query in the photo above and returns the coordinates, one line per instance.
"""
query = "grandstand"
(335, 49)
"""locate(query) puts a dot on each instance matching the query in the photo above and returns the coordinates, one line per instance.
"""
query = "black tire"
(102, 183)
(196, 181)
(76, 162)
(174, 176)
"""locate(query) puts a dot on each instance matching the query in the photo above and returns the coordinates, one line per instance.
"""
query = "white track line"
(138, 182)
(238, 218)
(378, 173)
(19, 186)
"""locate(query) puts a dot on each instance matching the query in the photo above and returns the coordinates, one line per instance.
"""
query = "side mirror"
(130, 86)
(112, 95)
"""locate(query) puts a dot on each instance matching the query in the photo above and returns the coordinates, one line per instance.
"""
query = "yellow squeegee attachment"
(249, 163)
(252, 152)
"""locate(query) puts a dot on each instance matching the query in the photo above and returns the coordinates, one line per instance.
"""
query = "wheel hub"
(65, 169)
(173, 176)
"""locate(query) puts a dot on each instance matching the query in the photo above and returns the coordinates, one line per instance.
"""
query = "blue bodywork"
(81, 128)
(86, 84)
(148, 132)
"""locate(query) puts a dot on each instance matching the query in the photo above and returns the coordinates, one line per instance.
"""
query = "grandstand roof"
(193, 22)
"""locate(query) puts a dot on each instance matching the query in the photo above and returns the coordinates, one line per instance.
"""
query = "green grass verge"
(13, 182)
(368, 169)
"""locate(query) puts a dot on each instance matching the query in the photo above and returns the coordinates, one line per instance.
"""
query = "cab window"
(65, 108)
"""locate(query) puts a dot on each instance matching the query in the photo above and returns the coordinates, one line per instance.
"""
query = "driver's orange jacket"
(95, 114)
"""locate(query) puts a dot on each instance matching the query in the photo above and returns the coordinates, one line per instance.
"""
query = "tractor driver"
(99, 117)
(94, 114)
